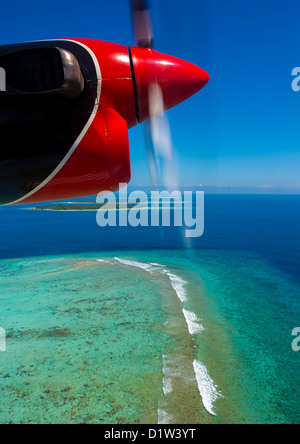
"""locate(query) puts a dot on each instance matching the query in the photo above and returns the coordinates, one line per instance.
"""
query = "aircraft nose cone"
(177, 79)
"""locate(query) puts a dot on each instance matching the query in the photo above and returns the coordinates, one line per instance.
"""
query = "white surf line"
(191, 319)
(143, 266)
(206, 386)
(162, 416)
(167, 377)
(178, 285)
(193, 322)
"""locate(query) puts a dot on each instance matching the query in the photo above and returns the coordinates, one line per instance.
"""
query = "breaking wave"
(206, 386)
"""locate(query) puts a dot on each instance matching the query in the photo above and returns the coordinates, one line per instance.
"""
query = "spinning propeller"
(169, 81)
(158, 136)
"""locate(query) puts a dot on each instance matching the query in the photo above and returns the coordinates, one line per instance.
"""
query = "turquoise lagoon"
(128, 334)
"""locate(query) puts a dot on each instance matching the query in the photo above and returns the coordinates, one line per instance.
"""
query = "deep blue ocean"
(265, 224)
(238, 287)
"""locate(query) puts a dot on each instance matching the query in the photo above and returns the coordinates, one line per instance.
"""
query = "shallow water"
(126, 338)
(123, 325)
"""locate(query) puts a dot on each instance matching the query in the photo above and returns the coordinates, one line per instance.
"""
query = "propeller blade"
(142, 23)
(151, 156)
(158, 136)
(161, 139)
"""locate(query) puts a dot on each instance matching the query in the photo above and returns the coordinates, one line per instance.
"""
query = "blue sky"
(243, 128)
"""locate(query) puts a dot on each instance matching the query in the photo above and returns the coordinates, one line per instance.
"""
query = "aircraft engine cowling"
(64, 120)
(66, 109)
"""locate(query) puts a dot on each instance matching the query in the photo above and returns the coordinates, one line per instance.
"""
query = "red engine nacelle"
(94, 156)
